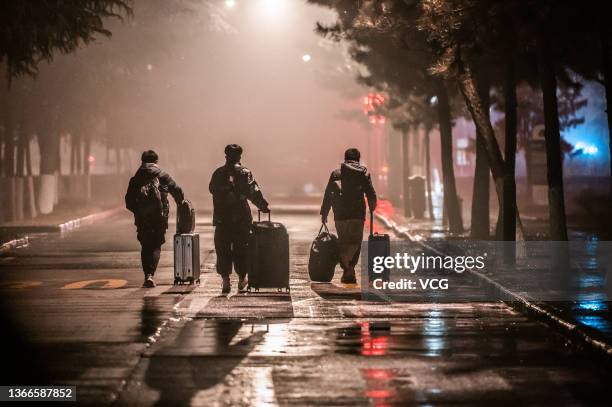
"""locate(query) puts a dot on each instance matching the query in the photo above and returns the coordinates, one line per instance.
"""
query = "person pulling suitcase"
(232, 186)
(345, 192)
(147, 199)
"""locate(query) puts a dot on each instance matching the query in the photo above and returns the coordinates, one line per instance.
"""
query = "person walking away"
(232, 186)
(147, 199)
(345, 192)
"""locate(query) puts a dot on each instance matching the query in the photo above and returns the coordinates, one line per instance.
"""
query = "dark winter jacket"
(345, 192)
(231, 186)
(144, 174)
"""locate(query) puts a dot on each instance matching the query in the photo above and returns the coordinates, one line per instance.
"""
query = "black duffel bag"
(323, 256)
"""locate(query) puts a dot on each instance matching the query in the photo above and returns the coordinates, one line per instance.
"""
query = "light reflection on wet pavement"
(321, 345)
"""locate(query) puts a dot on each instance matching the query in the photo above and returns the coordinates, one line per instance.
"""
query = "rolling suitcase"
(378, 245)
(187, 258)
(268, 255)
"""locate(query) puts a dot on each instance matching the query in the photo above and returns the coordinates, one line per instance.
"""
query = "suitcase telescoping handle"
(371, 223)
(259, 215)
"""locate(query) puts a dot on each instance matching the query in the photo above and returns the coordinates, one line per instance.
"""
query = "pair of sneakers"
(227, 285)
(148, 281)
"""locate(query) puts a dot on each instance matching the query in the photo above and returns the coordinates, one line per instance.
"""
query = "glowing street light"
(306, 57)
(230, 3)
(272, 8)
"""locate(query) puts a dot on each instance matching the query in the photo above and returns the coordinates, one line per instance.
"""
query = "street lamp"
(230, 3)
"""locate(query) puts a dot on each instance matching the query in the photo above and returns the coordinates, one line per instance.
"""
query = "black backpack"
(149, 204)
(323, 256)
(185, 218)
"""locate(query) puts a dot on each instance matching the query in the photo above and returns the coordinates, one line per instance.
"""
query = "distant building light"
(462, 159)
(587, 149)
(384, 169)
(149, 67)
(230, 3)
(306, 57)
(462, 143)
(371, 103)
(433, 101)
(91, 159)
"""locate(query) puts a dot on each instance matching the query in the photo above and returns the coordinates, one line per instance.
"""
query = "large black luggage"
(323, 256)
(379, 244)
(268, 255)
(185, 218)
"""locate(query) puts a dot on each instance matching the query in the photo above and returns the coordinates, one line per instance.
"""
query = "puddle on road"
(427, 338)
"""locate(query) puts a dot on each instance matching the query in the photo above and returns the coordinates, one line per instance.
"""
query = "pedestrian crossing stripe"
(109, 284)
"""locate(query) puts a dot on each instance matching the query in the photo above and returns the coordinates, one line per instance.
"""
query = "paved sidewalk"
(588, 321)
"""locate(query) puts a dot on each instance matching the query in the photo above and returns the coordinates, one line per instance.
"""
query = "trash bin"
(418, 200)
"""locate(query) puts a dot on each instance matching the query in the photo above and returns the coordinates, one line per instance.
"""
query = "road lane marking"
(109, 283)
(19, 285)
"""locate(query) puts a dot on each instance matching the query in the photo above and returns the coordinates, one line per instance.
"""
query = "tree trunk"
(21, 149)
(49, 152)
(3, 134)
(406, 172)
(554, 163)
(20, 175)
(118, 160)
(509, 207)
(451, 200)
(86, 154)
(607, 74)
(9, 148)
(483, 125)
(30, 197)
(28, 159)
(428, 172)
(75, 154)
(49, 166)
(80, 160)
(474, 105)
(416, 148)
(480, 227)
(87, 163)
(9, 188)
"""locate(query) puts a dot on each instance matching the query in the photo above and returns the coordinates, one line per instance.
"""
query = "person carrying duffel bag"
(323, 256)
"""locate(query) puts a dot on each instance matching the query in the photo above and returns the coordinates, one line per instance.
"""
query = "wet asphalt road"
(320, 345)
